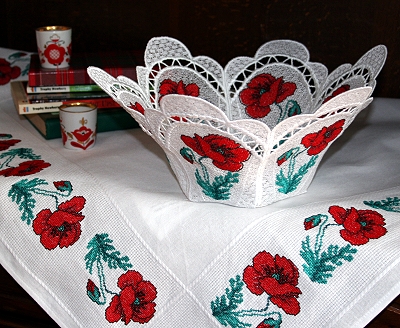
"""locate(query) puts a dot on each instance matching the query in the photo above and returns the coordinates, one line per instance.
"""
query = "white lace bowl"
(251, 133)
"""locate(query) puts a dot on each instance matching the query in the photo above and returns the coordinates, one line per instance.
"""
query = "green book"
(110, 119)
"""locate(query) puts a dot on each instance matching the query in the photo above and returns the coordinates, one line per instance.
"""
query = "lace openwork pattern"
(252, 132)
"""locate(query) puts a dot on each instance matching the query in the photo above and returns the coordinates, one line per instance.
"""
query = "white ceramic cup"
(78, 123)
(54, 46)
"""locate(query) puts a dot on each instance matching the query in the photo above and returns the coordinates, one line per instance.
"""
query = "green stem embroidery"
(224, 308)
(101, 250)
(24, 153)
(220, 187)
(292, 108)
(289, 183)
(22, 193)
(320, 264)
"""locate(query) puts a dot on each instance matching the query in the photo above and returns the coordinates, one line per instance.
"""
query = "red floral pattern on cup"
(278, 277)
(134, 302)
(318, 141)
(225, 153)
(61, 227)
(54, 54)
(263, 91)
(359, 225)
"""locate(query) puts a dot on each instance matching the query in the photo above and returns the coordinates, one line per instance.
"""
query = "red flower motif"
(7, 72)
(54, 54)
(134, 302)
(5, 144)
(338, 91)
(137, 107)
(225, 153)
(359, 225)
(278, 277)
(82, 146)
(263, 91)
(25, 168)
(317, 142)
(61, 227)
(168, 87)
(82, 134)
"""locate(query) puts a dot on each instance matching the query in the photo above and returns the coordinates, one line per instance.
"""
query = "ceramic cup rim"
(53, 28)
(90, 107)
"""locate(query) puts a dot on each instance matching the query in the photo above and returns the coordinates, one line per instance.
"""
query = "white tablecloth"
(104, 236)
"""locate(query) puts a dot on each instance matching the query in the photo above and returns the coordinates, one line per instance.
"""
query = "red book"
(114, 63)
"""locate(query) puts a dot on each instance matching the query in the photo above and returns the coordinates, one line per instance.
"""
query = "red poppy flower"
(278, 277)
(63, 185)
(7, 72)
(5, 144)
(54, 54)
(168, 87)
(263, 91)
(359, 225)
(317, 142)
(82, 134)
(61, 227)
(134, 302)
(338, 91)
(25, 168)
(137, 107)
(225, 153)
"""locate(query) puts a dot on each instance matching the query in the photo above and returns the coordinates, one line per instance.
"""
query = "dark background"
(335, 32)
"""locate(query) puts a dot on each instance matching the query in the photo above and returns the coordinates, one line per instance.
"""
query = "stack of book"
(46, 90)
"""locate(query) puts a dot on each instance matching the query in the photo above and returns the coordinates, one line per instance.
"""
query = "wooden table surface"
(19, 310)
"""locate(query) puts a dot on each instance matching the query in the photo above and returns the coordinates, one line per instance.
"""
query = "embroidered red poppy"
(7, 72)
(317, 142)
(25, 168)
(278, 277)
(137, 107)
(168, 87)
(5, 144)
(54, 54)
(134, 302)
(61, 227)
(338, 91)
(225, 153)
(263, 91)
(359, 225)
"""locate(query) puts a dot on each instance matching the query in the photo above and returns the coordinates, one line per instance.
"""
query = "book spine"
(63, 77)
(63, 88)
(50, 107)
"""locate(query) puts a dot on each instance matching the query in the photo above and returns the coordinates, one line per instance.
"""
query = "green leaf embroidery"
(101, 248)
(291, 182)
(21, 193)
(223, 307)
(389, 204)
(319, 267)
(220, 188)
